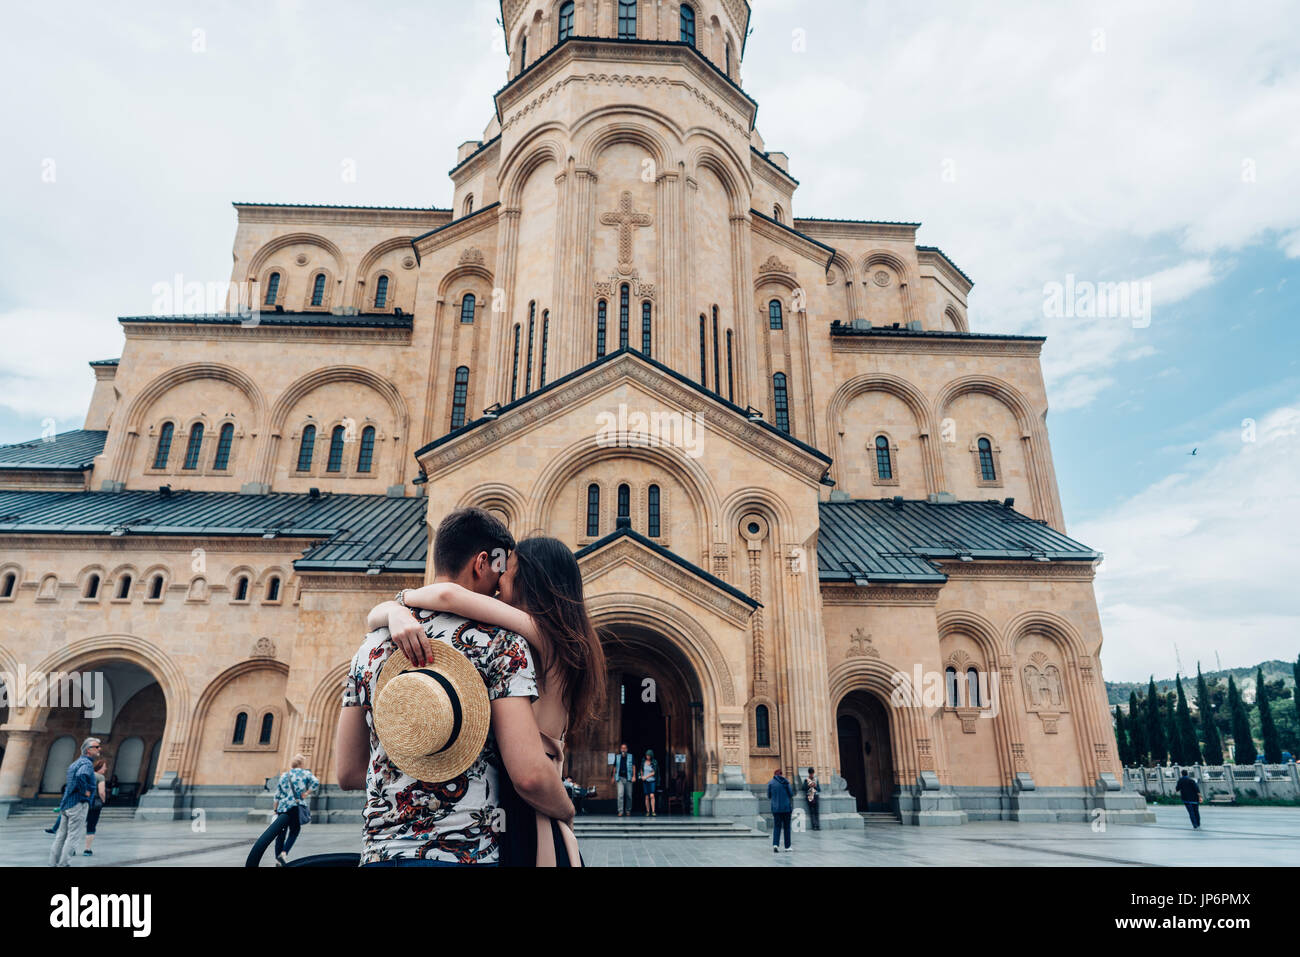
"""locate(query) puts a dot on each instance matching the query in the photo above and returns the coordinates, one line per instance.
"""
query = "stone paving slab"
(1233, 836)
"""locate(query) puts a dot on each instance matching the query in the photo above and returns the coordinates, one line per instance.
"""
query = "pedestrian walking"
(780, 792)
(624, 777)
(74, 808)
(291, 801)
(812, 789)
(649, 780)
(96, 805)
(1190, 792)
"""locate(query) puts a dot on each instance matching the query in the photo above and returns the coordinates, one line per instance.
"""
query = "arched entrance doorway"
(654, 703)
(129, 718)
(866, 760)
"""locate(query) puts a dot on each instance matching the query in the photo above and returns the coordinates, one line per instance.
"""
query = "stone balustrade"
(1270, 781)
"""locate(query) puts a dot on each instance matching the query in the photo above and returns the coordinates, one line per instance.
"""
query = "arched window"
(532, 327)
(469, 204)
(762, 727)
(884, 467)
(624, 305)
(775, 318)
(164, 445)
(523, 51)
(987, 471)
(645, 328)
(514, 368)
(778, 214)
(782, 402)
(272, 288)
(717, 365)
(566, 21)
(593, 510)
(124, 587)
(7, 590)
(627, 19)
(92, 587)
(195, 446)
(241, 588)
(335, 462)
(704, 352)
(224, 439)
(950, 683)
(366, 455)
(546, 335)
(318, 290)
(652, 509)
(731, 385)
(459, 396)
(273, 588)
(381, 292)
(688, 24)
(467, 306)
(973, 688)
(624, 504)
(306, 448)
(601, 311)
(241, 726)
(728, 58)
(268, 725)
(155, 587)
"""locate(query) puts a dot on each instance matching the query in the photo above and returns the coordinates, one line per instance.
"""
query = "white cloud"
(1206, 557)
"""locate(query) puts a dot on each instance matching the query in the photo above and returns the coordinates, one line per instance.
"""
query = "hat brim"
(476, 714)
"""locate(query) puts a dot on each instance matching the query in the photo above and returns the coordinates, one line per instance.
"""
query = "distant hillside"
(1117, 692)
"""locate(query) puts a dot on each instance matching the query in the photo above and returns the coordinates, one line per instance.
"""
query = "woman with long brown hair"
(542, 600)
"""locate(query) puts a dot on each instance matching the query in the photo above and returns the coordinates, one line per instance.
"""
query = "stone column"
(742, 312)
(18, 748)
(502, 323)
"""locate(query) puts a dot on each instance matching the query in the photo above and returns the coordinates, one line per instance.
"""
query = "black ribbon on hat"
(455, 705)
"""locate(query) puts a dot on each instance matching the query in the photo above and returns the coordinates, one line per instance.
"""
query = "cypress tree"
(1155, 731)
(1243, 744)
(1121, 738)
(1171, 731)
(1186, 733)
(1213, 748)
(1267, 729)
(1137, 731)
(1295, 693)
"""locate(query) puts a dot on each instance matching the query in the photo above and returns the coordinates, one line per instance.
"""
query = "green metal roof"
(69, 451)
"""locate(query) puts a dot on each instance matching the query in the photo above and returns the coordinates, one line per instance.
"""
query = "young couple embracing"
(456, 705)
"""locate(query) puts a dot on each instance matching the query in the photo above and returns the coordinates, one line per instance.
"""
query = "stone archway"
(866, 762)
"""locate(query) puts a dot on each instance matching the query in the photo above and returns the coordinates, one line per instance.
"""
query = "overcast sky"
(1133, 142)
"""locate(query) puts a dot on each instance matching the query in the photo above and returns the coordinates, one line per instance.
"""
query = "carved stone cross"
(625, 219)
(862, 645)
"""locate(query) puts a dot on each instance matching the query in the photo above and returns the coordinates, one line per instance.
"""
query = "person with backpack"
(291, 794)
(1190, 792)
(780, 793)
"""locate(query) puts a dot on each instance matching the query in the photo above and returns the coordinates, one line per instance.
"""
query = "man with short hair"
(410, 822)
(75, 805)
(780, 793)
(1190, 792)
(624, 777)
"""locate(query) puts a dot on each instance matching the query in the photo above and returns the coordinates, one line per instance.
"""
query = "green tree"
(1137, 731)
(1186, 733)
(1213, 747)
(1243, 745)
(1267, 729)
(1155, 730)
(1295, 695)
(1121, 738)
(1171, 730)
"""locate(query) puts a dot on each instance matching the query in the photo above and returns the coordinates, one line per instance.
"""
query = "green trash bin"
(695, 803)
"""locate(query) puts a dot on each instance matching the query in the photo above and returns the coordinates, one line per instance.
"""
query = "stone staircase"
(44, 810)
(599, 826)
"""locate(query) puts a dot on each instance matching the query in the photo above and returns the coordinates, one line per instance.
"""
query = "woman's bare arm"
(409, 635)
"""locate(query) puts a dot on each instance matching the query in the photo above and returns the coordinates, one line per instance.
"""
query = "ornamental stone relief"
(626, 219)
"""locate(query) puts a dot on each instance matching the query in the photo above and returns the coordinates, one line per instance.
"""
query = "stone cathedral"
(817, 516)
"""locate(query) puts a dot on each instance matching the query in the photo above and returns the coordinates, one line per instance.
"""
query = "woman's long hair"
(548, 585)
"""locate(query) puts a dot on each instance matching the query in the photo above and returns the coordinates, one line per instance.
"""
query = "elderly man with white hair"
(75, 806)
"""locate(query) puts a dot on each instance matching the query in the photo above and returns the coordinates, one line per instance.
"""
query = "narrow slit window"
(601, 316)
(627, 19)
(459, 396)
(272, 289)
(688, 24)
(194, 447)
(546, 335)
(532, 326)
(566, 21)
(224, 440)
(164, 445)
(318, 290)
(514, 368)
(381, 292)
(467, 306)
(987, 470)
(652, 511)
(306, 448)
(335, 463)
(704, 352)
(782, 402)
(366, 454)
(593, 511)
(645, 328)
(884, 467)
(268, 725)
(731, 382)
(775, 316)
(241, 727)
(717, 365)
(624, 305)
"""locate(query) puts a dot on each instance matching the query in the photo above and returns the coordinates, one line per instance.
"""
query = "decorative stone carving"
(637, 289)
(1019, 761)
(408, 262)
(862, 646)
(300, 259)
(731, 743)
(472, 256)
(1043, 688)
(881, 278)
(625, 218)
(263, 648)
(775, 265)
(925, 754)
(968, 718)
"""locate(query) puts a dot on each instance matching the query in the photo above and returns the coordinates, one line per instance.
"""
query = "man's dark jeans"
(781, 822)
(1194, 812)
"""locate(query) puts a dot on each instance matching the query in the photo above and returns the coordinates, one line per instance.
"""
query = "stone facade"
(620, 199)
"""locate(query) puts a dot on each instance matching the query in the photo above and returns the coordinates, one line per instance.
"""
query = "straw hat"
(433, 721)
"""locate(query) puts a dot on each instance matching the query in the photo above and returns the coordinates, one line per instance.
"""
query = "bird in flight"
(1193, 451)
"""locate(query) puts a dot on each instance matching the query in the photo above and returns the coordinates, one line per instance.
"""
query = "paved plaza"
(1254, 836)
